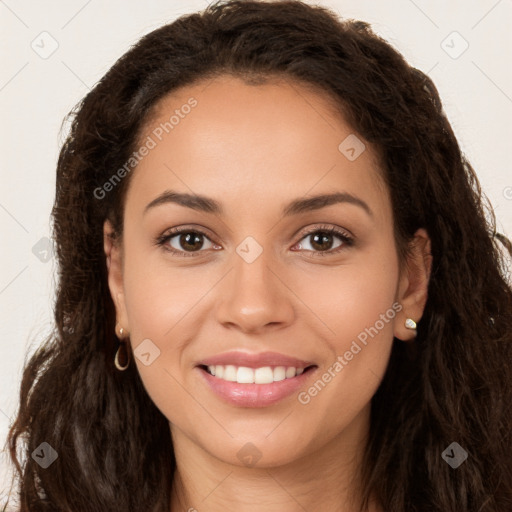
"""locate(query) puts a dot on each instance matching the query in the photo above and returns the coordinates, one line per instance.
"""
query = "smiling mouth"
(261, 375)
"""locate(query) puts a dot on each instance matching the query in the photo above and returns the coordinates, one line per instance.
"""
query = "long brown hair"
(113, 444)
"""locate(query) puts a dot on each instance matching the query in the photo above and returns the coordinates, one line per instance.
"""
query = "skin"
(255, 148)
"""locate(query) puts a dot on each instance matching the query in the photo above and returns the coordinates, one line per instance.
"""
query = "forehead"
(226, 138)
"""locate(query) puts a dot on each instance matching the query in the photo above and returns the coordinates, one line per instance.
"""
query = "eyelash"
(346, 239)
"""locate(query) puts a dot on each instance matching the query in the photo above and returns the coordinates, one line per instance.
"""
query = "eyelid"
(331, 228)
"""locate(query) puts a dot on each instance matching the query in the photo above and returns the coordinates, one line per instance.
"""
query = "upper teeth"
(245, 375)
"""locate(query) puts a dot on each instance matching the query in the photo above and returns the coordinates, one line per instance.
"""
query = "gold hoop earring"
(128, 358)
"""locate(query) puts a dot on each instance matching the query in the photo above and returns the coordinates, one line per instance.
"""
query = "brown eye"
(189, 241)
(185, 242)
(322, 241)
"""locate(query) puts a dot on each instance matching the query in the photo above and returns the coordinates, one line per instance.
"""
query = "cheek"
(159, 295)
(162, 305)
(158, 303)
(354, 295)
(357, 307)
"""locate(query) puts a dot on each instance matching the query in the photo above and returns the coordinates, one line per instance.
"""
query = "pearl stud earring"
(410, 323)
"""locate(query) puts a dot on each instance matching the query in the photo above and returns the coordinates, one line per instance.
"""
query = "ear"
(114, 261)
(413, 285)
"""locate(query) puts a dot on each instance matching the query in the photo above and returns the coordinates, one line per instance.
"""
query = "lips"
(254, 380)
(256, 395)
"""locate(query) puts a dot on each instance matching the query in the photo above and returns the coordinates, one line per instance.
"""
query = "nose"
(254, 297)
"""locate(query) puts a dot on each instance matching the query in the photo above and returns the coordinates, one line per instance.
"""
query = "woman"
(278, 287)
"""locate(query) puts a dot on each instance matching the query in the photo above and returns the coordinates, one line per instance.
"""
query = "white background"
(37, 93)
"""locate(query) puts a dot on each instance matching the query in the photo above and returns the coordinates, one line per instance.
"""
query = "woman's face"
(256, 272)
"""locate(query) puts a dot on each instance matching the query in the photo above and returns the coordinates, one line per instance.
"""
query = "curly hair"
(455, 386)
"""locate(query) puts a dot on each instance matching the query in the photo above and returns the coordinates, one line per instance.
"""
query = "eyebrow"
(209, 205)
